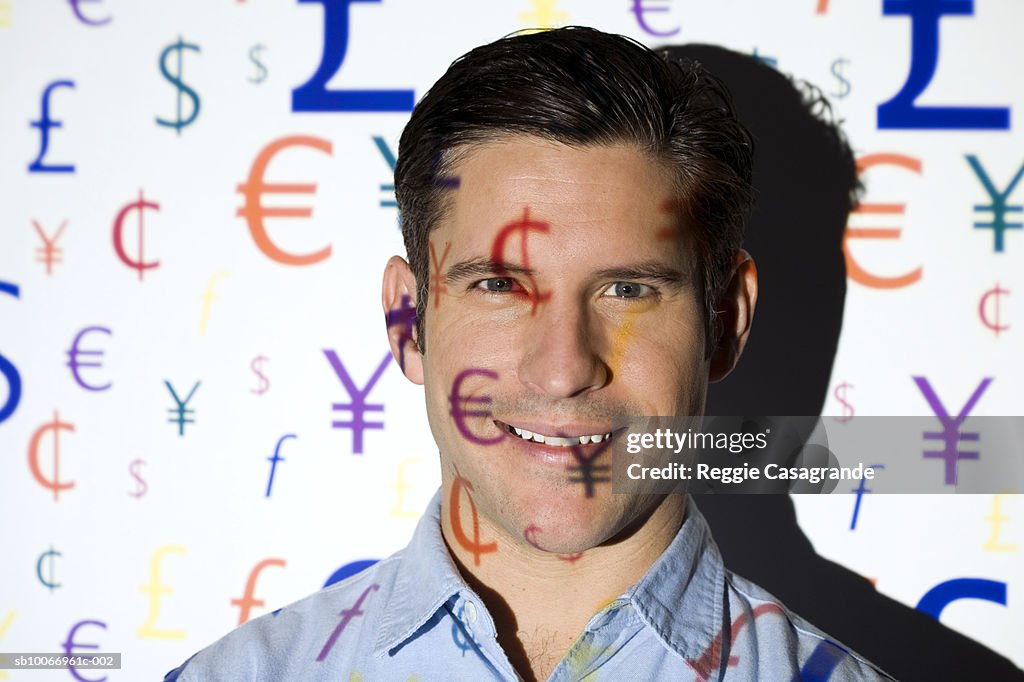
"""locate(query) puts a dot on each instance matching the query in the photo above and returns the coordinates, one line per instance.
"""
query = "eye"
(498, 285)
(629, 290)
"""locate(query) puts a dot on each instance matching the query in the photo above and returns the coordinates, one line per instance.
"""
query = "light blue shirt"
(412, 617)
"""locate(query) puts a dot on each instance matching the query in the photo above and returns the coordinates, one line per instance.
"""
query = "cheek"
(664, 371)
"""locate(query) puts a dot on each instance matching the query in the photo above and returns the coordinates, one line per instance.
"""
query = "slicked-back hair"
(582, 88)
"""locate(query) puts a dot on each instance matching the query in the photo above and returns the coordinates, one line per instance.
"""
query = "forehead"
(577, 189)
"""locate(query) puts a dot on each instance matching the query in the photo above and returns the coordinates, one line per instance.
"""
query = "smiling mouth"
(554, 441)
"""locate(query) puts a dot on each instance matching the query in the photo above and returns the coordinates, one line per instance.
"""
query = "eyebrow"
(648, 270)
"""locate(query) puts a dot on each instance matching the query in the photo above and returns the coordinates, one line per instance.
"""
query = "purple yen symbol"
(358, 406)
(950, 433)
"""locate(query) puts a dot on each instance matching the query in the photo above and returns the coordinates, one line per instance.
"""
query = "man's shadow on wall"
(806, 185)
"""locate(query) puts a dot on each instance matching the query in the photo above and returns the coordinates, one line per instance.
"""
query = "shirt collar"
(425, 579)
(681, 596)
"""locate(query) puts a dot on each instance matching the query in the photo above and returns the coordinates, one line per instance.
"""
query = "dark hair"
(581, 87)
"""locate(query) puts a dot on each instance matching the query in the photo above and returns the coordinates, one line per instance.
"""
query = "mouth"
(553, 441)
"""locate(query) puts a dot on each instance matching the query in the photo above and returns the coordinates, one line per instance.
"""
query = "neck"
(541, 601)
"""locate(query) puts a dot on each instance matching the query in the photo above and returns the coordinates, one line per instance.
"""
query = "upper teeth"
(558, 440)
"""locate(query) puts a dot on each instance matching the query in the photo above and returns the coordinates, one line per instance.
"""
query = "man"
(573, 209)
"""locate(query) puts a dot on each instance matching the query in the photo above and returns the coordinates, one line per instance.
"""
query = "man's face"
(563, 292)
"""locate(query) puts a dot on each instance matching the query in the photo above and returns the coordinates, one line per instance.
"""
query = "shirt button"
(470, 610)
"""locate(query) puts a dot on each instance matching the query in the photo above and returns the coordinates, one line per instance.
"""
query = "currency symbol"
(901, 111)
(844, 84)
(313, 95)
(209, 296)
(44, 124)
(458, 407)
(945, 593)
(530, 533)
(950, 433)
(5, 21)
(543, 15)
(49, 253)
(401, 486)
(70, 645)
(358, 406)
(8, 369)
(840, 394)
(639, 9)
(770, 61)
(257, 368)
(346, 616)
(50, 584)
(823, 660)
(183, 413)
(860, 490)
(274, 459)
(997, 518)
(84, 19)
(74, 363)
(437, 279)
(254, 55)
(254, 212)
(175, 80)
(474, 546)
(523, 226)
(140, 485)
(247, 601)
(155, 589)
(983, 309)
(349, 570)
(998, 207)
(853, 269)
(389, 157)
(461, 638)
(404, 315)
(141, 205)
(711, 660)
(822, 7)
(54, 484)
(584, 471)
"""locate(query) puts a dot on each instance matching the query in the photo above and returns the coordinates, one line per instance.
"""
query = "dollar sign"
(837, 71)
(52, 583)
(474, 546)
(139, 263)
(175, 80)
(523, 226)
(140, 485)
(458, 636)
(54, 484)
(840, 394)
(995, 326)
(254, 56)
(257, 367)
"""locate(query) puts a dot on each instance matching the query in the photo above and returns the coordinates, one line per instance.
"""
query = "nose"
(560, 357)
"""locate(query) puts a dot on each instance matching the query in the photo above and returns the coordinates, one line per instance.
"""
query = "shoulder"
(289, 642)
(780, 639)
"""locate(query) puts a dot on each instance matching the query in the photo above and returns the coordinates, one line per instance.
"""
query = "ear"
(736, 312)
(398, 295)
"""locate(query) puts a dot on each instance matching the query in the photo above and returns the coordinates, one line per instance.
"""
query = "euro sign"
(175, 79)
(254, 213)
(139, 263)
(70, 647)
(84, 19)
(902, 111)
(313, 95)
(54, 483)
(44, 124)
(471, 545)
(523, 227)
(459, 413)
(75, 364)
(639, 9)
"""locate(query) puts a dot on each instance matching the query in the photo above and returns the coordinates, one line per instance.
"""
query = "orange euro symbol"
(254, 189)
(473, 546)
(54, 484)
(853, 269)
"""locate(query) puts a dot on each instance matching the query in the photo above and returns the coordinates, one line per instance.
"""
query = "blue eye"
(628, 290)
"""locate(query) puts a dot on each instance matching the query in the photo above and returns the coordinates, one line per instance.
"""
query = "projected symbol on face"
(437, 282)
(470, 544)
(405, 317)
(530, 535)
(585, 471)
(458, 407)
(522, 227)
